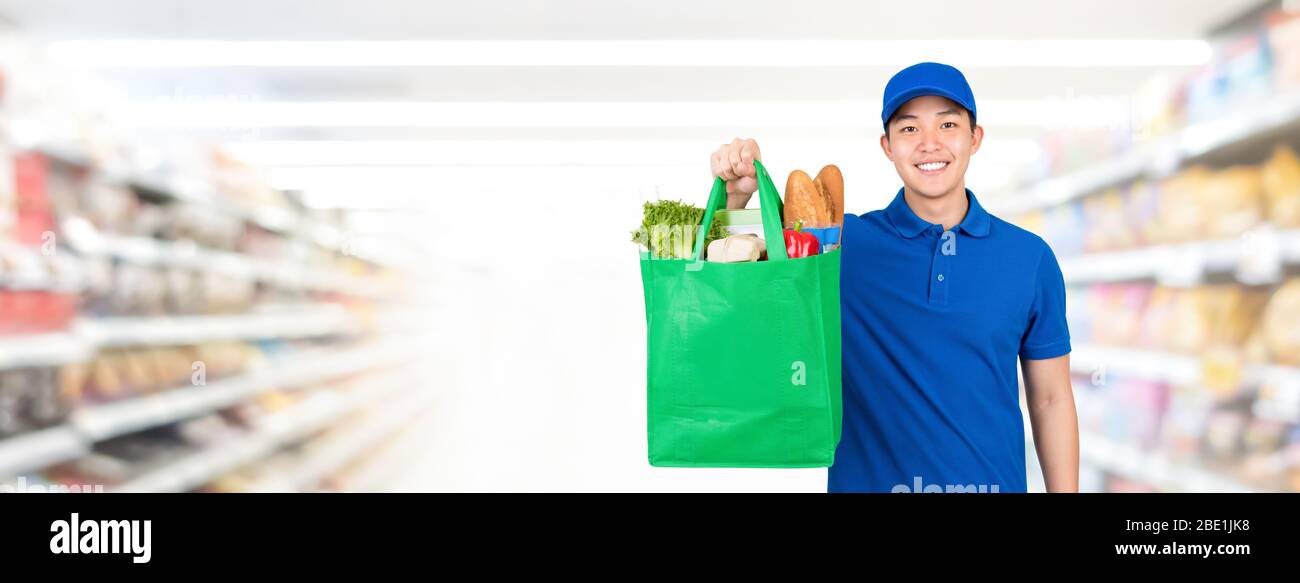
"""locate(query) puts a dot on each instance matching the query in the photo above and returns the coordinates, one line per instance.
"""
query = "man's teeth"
(932, 166)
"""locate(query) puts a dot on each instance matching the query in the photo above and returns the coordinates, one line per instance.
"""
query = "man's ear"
(884, 145)
(976, 138)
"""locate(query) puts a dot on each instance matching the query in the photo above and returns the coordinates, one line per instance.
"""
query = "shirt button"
(940, 277)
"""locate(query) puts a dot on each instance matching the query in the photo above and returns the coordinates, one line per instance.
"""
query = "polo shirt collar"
(976, 223)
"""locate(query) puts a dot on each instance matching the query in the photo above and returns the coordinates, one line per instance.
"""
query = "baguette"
(831, 182)
(805, 201)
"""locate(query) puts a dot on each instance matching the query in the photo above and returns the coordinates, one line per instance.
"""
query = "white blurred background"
(443, 193)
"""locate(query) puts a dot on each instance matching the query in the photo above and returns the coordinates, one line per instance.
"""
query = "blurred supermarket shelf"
(390, 468)
(51, 349)
(1180, 369)
(1153, 468)
(105, 421)
(40, 449)
(186, 255)
(1143, 364)
(1160, 157)
(335, 450)
(64, 271)
(279, 220)
(87, 426)
(305, 322)
(276, 431)
(286, 322)
(1254, 258)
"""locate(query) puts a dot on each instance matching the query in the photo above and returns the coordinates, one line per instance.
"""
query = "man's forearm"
(1056, 437)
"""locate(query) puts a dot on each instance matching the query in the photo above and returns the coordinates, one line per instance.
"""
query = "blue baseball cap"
(926, 79)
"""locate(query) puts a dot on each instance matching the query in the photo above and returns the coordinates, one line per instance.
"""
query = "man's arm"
(1055, 424)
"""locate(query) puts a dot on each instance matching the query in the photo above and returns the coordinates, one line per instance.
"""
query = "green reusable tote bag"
(743, 359)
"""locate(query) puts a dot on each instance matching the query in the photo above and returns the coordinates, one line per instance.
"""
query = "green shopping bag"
(743, 359)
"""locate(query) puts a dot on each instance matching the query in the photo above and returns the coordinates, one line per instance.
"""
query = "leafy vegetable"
(669, 227)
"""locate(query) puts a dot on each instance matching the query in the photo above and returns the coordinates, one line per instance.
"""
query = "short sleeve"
(1046, 334)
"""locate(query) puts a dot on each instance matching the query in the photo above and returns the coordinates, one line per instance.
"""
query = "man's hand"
(734, 162)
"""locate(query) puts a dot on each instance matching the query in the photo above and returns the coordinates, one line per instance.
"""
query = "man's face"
(930, 142)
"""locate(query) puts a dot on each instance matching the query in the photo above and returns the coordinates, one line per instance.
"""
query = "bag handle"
(769, 206)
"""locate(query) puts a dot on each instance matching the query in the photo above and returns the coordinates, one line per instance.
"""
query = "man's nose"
(929, 141)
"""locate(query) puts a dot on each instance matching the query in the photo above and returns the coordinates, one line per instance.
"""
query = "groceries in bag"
(668, 229)
(737, 249)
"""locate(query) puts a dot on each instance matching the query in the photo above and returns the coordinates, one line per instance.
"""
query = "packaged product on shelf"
(1188, 327)
(192, 222)
(1280, 329)
(1281, 181)
(111, 208)
(1263, 436)
(40, 294)
(1284, 40)
(1142, 405)
(34, 213)
(105, 382)
(1107, 226)
(97, 297)
(72, 379)
(137, 290)
(1182, 217)
(1240, 76)
(1195, 320)
(136, 370)
(1142, 209)
(184, 293)
(1223, 433)
(1156, 114)
(48, 406)
(1120, 307)
(1183, 430)
(225, 293)
(1232, 200)
(1155, 325)
(1232, 314)
(1248, 70)
(13, 389)
(119, 373)
(30, 400)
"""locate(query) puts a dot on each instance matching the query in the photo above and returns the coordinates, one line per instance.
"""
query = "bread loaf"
(804, 201)
(831, 183)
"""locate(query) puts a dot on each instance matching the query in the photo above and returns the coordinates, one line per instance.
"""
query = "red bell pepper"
(799, 243)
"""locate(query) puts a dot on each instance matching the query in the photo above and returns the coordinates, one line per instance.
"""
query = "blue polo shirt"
(933, 324)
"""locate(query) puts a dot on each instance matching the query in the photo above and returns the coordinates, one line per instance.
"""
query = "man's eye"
(908, 129)
(948, 124)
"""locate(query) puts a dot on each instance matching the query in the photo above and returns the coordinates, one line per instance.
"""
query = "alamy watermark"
(918, 486)
(22, 487)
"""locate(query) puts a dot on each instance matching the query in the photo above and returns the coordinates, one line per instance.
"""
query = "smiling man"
(939, 299)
